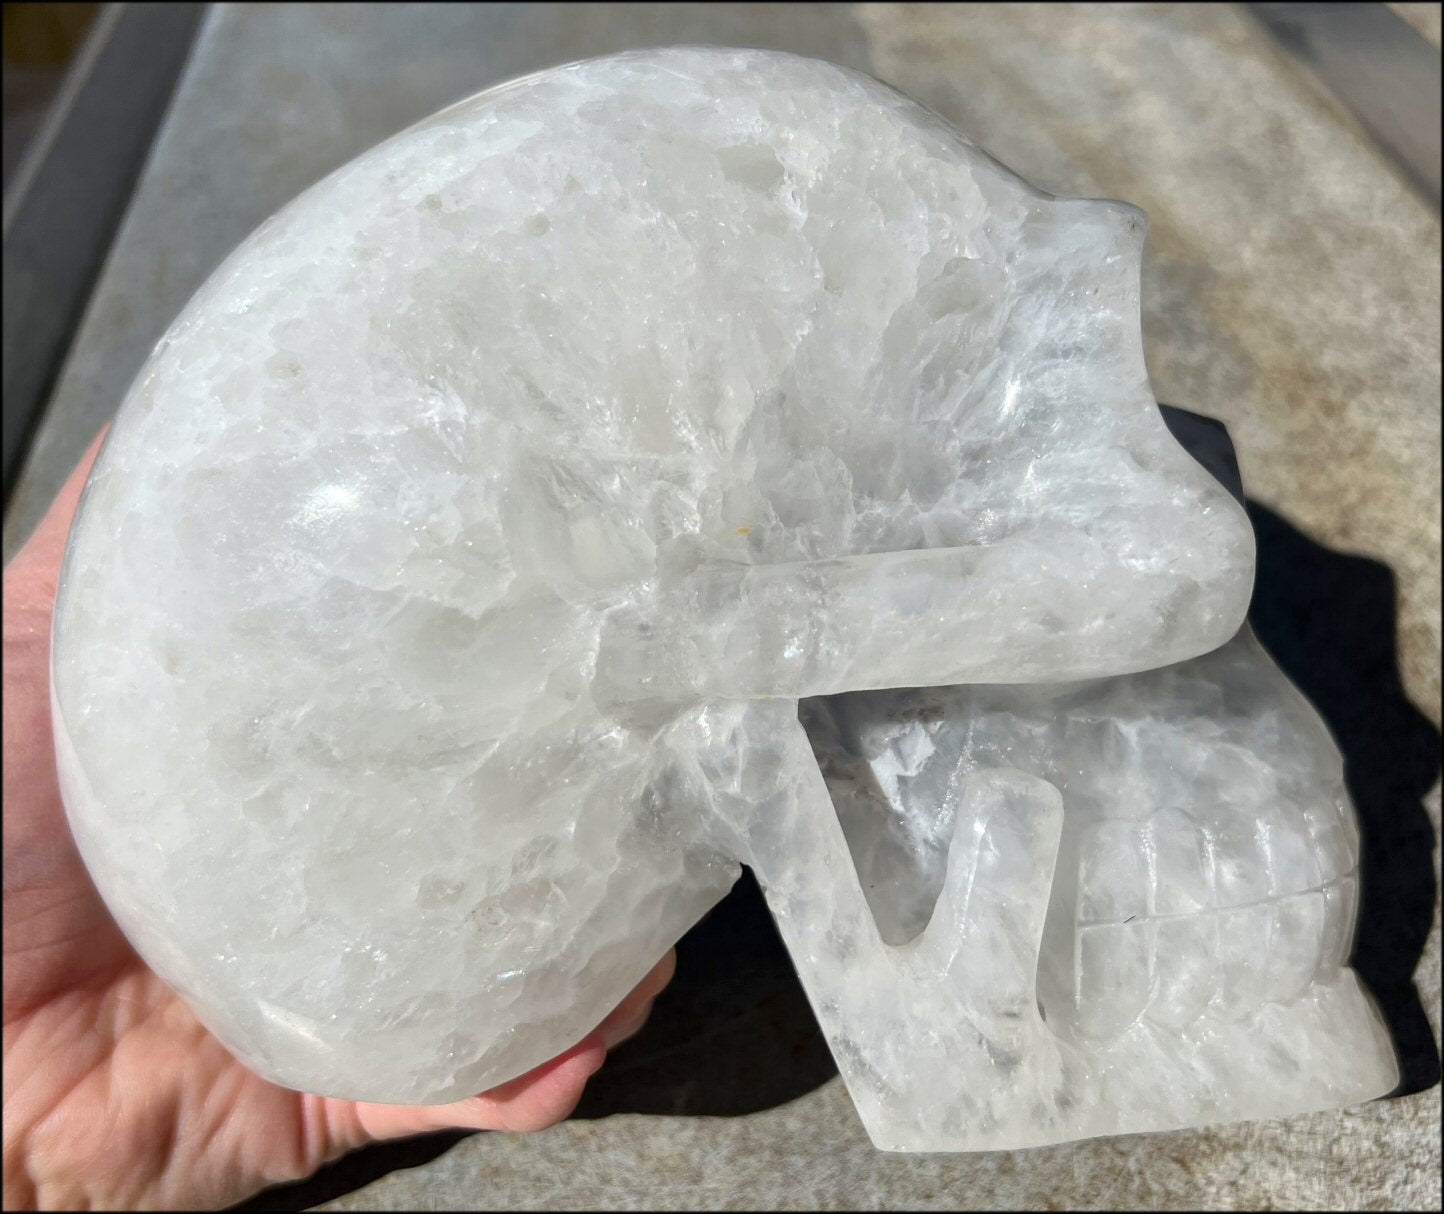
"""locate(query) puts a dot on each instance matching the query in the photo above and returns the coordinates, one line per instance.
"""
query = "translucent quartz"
(431, 633)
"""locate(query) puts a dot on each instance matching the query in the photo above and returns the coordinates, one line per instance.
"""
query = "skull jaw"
(1137, 1085)
(941, 1040)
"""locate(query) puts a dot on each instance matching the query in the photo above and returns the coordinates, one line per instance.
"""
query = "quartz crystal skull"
(431, 630)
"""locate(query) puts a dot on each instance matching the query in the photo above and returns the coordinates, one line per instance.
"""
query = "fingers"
(620, 1029)
(540, 1098)
(627, 1018)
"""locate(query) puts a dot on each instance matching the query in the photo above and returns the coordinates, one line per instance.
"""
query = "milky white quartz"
(432, 630)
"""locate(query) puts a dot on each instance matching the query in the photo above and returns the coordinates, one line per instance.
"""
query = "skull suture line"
(432, 628)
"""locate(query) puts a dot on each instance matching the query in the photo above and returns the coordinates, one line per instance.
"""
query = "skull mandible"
(1080, 909)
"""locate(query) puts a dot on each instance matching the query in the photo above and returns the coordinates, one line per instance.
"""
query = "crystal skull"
(431, 633)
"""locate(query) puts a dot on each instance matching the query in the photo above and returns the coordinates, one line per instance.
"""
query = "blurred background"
(1288, 158)
(40, 42)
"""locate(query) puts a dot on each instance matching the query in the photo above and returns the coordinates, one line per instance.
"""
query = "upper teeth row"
(1177, 862)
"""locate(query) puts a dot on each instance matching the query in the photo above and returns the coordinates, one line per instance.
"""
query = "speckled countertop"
(1291, 288)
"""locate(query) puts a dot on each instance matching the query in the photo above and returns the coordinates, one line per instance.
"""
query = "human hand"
(115, 1095)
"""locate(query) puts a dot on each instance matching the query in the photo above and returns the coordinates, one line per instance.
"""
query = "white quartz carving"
(431, 633)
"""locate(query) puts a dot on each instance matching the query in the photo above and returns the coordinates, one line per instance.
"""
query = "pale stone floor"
(1291, 289)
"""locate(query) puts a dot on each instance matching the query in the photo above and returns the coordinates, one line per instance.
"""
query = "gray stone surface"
(1291, 288)
(1424, 18)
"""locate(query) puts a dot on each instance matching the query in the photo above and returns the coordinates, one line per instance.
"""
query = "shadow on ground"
(1329, 620)
(734, 1034)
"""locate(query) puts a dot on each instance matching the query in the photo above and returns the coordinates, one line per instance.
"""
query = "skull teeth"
(1190, 914)
(1179, 863)
(1221, 962)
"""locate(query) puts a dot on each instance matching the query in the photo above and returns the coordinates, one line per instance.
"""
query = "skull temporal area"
(633, 392)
